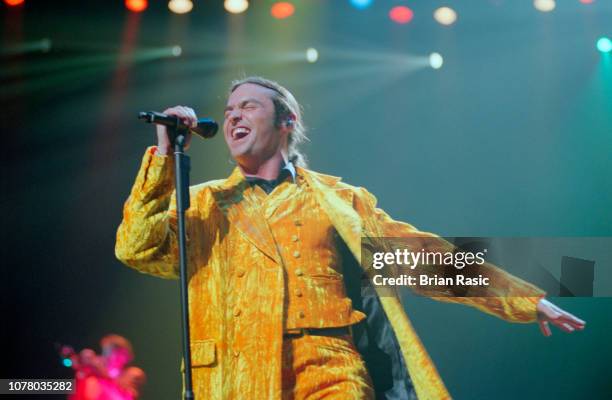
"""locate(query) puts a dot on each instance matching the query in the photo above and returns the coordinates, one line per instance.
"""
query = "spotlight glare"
(445, 16)
(136, 5)
(282, 10)
(312, 55)
(544, 5)
(180, 6)
(436, 60)
(67, 362)
(401, 14)
(45, 45)
(587, 1)
(177, 51)
(604, 45)
(13, 3)
(361, 4)
(236, 6)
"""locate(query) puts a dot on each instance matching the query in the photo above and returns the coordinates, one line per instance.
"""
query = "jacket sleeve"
(507, 297)
(146, 238)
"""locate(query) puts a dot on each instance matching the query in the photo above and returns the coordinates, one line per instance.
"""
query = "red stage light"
(282, 9)
(136, 5)
(14, 2)
(587, 1)
(401, 14)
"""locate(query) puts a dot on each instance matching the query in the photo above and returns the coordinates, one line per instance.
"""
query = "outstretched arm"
(510, 298)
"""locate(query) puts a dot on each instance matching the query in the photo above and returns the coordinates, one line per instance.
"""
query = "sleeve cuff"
(156, 175)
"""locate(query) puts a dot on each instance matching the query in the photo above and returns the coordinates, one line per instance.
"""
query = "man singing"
(277, 307)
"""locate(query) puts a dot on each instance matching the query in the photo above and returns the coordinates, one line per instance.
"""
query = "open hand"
(550, 313)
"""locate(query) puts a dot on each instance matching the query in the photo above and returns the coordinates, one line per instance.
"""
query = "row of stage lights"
(285, 9)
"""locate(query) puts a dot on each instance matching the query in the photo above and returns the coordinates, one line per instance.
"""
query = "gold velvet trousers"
(330, 367)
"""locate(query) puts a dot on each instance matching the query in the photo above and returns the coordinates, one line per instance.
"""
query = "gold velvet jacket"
(236, 312)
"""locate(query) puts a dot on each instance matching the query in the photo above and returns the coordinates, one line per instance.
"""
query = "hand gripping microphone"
(206, 128)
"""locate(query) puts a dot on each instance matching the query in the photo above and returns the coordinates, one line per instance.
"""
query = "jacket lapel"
(244, 214)
(338, 205)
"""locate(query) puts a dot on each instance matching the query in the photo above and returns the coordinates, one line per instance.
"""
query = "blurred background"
(464, 118)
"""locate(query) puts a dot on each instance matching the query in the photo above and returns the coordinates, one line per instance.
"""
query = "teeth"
(240, 131)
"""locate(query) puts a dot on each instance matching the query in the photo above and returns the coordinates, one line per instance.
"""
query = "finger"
(181, 113)
(545, 328)
(565, 327)
(566, 315)
(190, 118)
(184, 116)
(193, 116)
(175, 111)
(573, 319)
(574, 323)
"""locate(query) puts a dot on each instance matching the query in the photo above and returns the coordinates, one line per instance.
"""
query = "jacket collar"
(236, 179)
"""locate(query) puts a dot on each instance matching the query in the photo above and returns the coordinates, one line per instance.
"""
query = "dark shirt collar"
(287, 169)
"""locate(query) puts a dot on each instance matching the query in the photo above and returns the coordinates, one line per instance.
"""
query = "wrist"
(162, 150)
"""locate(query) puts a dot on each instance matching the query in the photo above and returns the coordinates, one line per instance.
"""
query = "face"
(249, 125)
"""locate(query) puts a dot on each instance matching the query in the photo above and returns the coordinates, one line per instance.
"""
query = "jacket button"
(294, 238)
(240, 273)
(237, 312)
(298, 293)
(301, 314)
(299, 272)
(236, 353)
(297, 222)
(296, 254)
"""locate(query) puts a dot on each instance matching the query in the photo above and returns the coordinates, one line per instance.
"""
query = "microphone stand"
(181, 176)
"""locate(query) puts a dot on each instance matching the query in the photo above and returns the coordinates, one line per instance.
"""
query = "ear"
(290, 121)
(288, 124)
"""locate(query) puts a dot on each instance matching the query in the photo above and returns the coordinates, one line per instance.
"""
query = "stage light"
(312, 55)
(177, 51)
(136, 5)
(361, 4)
(236, 6)
(282, 9)
(180, 6)
(587, 1)
(436, 60)
(544, 5)
(13, 3)
(604, 45)
(445, 15)
(401, 14)
(67, 362)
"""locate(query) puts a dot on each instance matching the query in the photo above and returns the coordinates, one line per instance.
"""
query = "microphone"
(206, 128)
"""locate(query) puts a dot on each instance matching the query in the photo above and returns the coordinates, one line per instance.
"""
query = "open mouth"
(240, 132)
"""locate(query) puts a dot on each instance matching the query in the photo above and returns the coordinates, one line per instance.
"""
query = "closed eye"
(249, 106)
